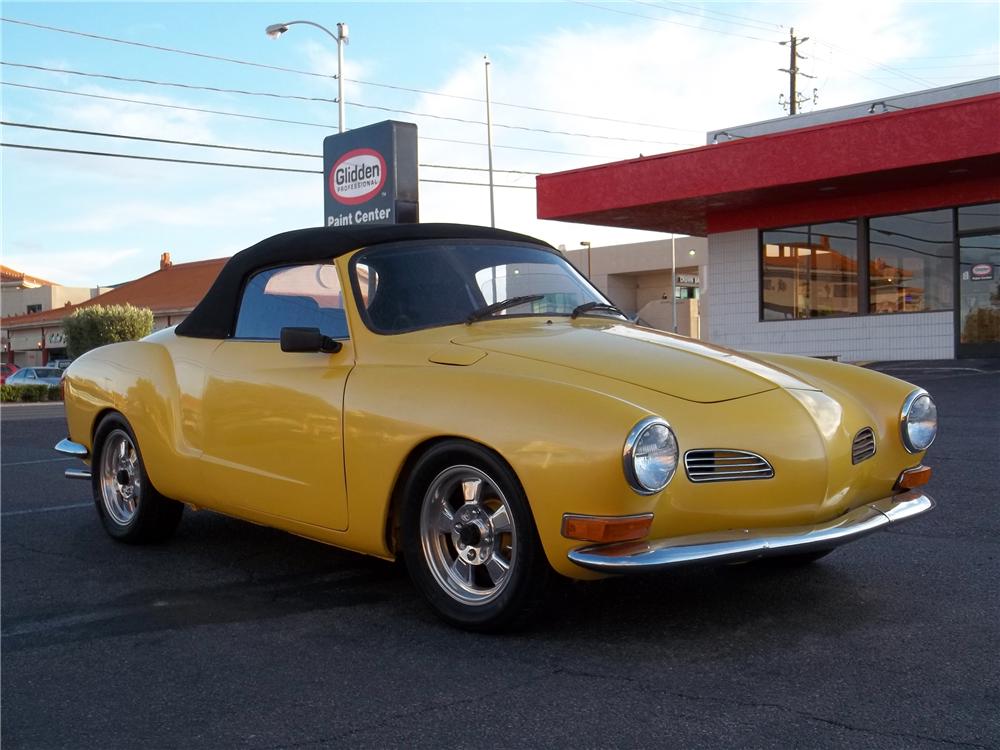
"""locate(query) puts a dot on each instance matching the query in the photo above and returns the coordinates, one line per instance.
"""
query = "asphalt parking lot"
(232, 635)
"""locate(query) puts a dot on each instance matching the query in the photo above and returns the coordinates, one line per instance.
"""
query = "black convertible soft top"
(215, 316)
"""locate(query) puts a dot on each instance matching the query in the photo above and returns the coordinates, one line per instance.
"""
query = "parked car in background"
(6, 370)
(62, 364)
(463, 398)
(36, 376)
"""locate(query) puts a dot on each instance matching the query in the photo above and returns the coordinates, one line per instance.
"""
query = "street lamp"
(275, 30)
(584, 243)
(673, 284)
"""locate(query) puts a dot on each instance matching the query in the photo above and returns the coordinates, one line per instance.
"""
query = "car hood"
(666, 363)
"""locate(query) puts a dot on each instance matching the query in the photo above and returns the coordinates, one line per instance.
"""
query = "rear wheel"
(129, 506)
(469, 539)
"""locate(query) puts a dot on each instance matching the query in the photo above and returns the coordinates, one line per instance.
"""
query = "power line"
(393, 87)
(942, 57)
(160, 158)
(261, 167)
(992, 64)
(269, 94)
(702, 13)
(324, 125)
(202, 55)
(899, 73)
(200, 144)
(661, 19)
(531, 108)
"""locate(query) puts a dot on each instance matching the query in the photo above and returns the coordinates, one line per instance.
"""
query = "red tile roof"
(8, 274)
(176, 288)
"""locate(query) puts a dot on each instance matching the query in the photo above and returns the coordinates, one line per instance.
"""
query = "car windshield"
(48, 372)
(427, 284)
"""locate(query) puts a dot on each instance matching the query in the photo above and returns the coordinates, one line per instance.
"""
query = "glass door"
(979, 296)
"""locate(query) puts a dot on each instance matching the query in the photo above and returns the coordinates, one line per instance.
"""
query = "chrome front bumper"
(68, 448)
(741, 545)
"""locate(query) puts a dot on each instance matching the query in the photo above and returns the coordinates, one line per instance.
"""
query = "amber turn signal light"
(916, 477)
(605, 528)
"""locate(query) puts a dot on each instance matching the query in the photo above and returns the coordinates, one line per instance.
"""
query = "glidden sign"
(371, 175)
(357, 176)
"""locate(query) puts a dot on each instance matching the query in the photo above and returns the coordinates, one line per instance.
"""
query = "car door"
(274, 420)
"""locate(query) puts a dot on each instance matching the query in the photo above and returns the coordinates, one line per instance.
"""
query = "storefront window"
(983, 216)
(810, 271)
(910, 262)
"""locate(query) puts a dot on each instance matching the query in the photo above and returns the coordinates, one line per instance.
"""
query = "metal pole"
(489, 140)
(673, 284)
(341, 40)
(793, 101)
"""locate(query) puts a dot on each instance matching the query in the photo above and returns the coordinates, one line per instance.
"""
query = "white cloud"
(642, 71)
(242, 208)
(133, 119)
(68, 266)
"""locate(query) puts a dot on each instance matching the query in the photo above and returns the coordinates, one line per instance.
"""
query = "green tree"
(96, 325)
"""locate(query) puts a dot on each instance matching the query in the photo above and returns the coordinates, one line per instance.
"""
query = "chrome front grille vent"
(863, 447)
(724, 465)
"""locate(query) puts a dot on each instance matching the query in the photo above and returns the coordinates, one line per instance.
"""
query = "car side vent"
(863, 447)
(724, 465)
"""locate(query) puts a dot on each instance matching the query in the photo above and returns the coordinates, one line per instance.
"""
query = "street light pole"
(673, 284)
(275, 30)
(489, 140)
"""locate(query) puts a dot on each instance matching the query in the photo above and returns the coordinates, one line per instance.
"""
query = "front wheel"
(129, 506)
(469, 539)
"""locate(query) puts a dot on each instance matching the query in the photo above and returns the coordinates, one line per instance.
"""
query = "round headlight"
(918, 422)
(650, 456)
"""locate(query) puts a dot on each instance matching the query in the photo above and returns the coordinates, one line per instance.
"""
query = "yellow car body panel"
(318, 444)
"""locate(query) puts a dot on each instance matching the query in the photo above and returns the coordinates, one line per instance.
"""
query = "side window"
(306, 296)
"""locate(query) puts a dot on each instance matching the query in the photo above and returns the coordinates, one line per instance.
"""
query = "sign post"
(370, 176)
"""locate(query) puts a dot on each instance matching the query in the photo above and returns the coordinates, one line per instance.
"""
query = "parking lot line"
(38, 461)
(47, 509)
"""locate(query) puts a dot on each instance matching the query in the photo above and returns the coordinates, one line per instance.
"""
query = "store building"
(171, 293)
(865, 232)
(643, 278)
(21, 294)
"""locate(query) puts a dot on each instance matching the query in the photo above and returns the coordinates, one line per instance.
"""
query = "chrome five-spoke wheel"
(120, 478)
(468, 535)
(469, 538)
(130, 507)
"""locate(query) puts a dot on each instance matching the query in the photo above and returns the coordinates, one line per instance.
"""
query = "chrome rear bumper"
(741, 545)
(68, 448)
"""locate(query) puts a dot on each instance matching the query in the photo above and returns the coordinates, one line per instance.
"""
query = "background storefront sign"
(689, 279)
(982, 272)
(370, 175)
(55, 340)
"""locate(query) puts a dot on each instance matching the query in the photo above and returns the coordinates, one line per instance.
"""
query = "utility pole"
(794, 100)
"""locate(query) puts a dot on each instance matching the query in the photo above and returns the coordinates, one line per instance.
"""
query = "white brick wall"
(733, 317)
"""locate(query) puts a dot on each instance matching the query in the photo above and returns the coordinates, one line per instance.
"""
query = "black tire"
(426, 548)
(129, 507)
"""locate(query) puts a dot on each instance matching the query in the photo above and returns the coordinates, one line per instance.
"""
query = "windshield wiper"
(485, 312)
(587, 307)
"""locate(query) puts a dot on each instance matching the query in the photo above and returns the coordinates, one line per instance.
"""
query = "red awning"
(921, 158)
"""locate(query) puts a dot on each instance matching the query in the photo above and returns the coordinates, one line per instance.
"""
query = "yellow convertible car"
(463, 398)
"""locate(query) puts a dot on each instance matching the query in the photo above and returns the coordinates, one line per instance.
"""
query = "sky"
(615, 80)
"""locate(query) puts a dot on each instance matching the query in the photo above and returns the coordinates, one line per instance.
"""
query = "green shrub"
(9, 393)
(96, 325)
(29, 393)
